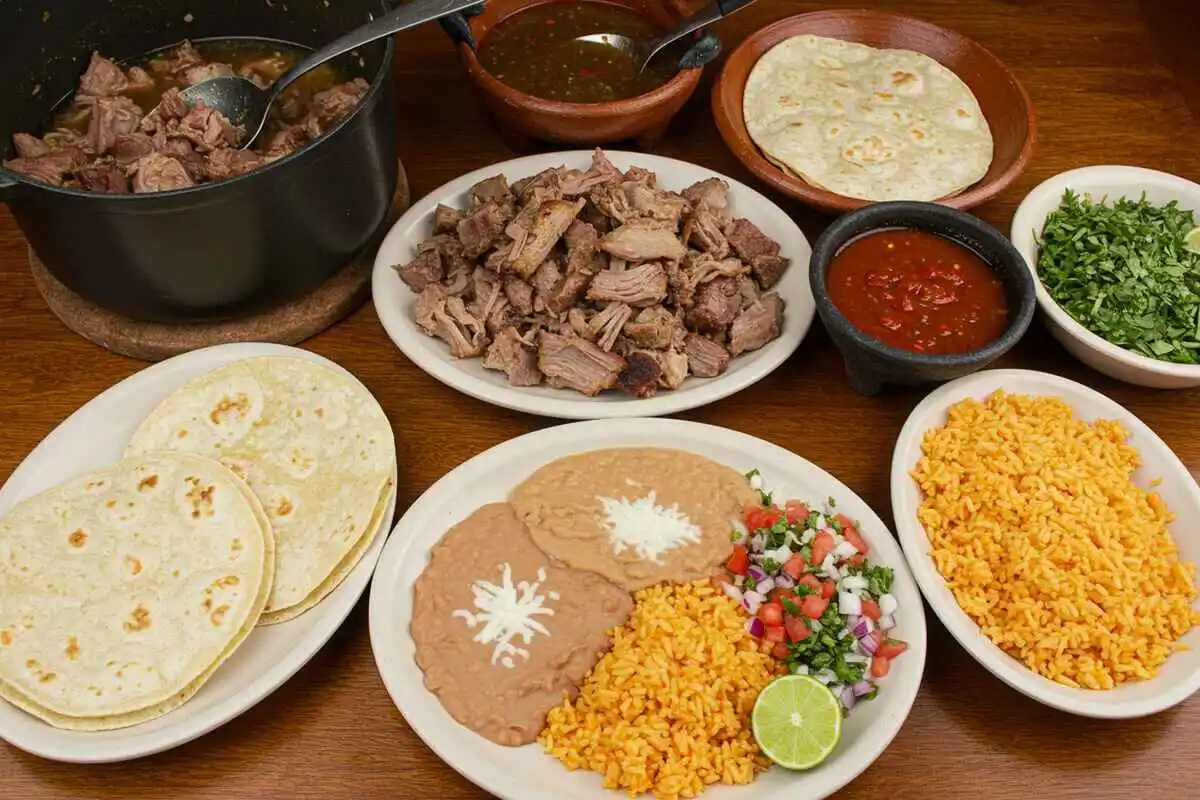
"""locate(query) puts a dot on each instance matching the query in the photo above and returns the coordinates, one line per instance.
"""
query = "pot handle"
(8, 188)
(458, 28)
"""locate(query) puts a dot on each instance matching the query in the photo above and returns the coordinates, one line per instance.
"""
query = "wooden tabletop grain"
(1113, 81)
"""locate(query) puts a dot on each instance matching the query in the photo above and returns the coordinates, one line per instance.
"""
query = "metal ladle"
(242, 102)
(643, 52)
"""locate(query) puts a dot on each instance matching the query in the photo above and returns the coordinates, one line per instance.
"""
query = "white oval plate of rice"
(1037, 568)
(527, 773)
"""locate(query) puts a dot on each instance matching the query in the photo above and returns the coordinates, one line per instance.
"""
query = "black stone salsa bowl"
(871, 364)
(214, 251)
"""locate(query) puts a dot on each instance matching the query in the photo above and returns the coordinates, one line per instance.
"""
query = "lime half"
(1191, 242)
(797, 721)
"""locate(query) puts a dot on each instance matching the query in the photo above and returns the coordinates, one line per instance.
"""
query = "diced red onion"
(886, 623)
(756, 572)
(756, 542)
(854, 583)
(868, 645)
(849, 698)
(733, 591)
(784, 581)
(888, 605)
(863, 628)
(844, 550)
(752, 601)
(862, 687)
(849, 604)
(765, 585)
(852, 621)
(755, 627)
(856, 658)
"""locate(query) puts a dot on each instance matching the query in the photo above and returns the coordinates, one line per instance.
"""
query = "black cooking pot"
(217, 250)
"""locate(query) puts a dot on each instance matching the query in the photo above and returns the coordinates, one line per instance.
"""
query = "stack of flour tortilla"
(864, 122)
(244, 498)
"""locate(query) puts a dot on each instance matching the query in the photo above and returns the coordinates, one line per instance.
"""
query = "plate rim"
(1094, 704)
(89, 747)
(402, 331)
(402, 547)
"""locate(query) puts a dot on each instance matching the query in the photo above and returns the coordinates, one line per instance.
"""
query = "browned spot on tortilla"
(139, 620)
(174, 573)
(181, 434)
(46, 677)
(229, 580)
(31, 663)
(961, 112)
(201, 498)
(884, 95)
(236, 546)
(219, 614)
(6, 638)
(285, 508)
(135, 566)
(901, 77)
(148, 482)
(240, 403)
(77, 538)
(72, 651)
(320, 412)
(110, 503)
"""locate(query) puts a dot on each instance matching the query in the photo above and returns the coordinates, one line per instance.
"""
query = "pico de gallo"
(803, 575)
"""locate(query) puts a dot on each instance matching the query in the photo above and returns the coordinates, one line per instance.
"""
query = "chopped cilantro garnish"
(791, 607)
(750, 583)
(770, 565)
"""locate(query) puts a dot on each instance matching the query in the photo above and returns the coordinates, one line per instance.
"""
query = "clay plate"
(1004, 102)
(524, 119)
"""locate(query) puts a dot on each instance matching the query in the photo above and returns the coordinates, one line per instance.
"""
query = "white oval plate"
(1112, 182)
(526, 773)
(394, 301)
(1180, 676)
(97, 434)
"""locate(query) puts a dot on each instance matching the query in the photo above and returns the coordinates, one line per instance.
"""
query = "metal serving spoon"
(643, 52)
(244, 103)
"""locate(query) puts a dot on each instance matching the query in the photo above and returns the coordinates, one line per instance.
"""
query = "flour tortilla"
(123, 591)
(866, 123)
(312, 444)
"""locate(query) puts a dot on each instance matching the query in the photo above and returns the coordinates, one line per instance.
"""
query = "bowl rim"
(682, 81)
(824, 253)
(744, 148)
(1096, 704)
(1028, 217)
(374, 88)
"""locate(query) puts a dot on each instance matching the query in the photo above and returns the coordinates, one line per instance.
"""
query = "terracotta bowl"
(1004, 102)
(524, 118)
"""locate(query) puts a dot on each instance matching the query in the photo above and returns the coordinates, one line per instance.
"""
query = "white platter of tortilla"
(395, 303)
(97, 434)
(528, 773)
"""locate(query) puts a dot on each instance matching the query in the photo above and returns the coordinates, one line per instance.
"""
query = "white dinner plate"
(97, 434)
(526, 773)
(394, 301)
(1180, 676)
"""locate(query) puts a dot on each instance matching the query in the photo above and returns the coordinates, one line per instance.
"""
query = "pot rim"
(679, 83)
(376, 84)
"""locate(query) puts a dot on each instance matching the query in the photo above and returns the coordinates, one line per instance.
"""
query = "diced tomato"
(813, 606)
(890, 648)
(779, 595)
(781, 651)
(775, 633)
(795, 511)
(797, 629)
(757, 517)
(828, 589)
(822, 545)
(856, 560)
(813, 583)
(795, 566)
(880, 667)
(771, 614)
(739, 560)
(851, 535)
(870, 608)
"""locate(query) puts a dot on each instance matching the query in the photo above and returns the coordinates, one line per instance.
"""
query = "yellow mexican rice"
(667, 709)
(1035, 524)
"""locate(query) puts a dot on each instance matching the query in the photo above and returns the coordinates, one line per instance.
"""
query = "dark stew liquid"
(918, 291)
(535, 52)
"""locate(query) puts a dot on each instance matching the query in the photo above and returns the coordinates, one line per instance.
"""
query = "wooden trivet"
(292, 323)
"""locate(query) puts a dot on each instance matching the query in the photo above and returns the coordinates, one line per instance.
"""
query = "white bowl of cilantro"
(1117, 285)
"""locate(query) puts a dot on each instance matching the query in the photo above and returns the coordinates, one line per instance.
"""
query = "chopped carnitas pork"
(594, 279)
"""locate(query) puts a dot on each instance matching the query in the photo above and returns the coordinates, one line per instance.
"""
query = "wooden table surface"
(1113, 81)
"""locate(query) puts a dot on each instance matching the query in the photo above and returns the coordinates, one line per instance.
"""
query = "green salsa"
(535, 52)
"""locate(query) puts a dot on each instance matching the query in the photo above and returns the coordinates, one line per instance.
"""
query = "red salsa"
(918, 291)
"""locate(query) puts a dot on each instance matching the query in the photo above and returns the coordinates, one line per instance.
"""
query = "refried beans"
(636, 516)
(503, 690)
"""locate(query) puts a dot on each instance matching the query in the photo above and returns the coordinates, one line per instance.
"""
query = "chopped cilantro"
(750, 583)
(770, 565)
(789, 606)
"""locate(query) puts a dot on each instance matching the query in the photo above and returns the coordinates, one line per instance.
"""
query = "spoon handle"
(705, 16)
(407, 15)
